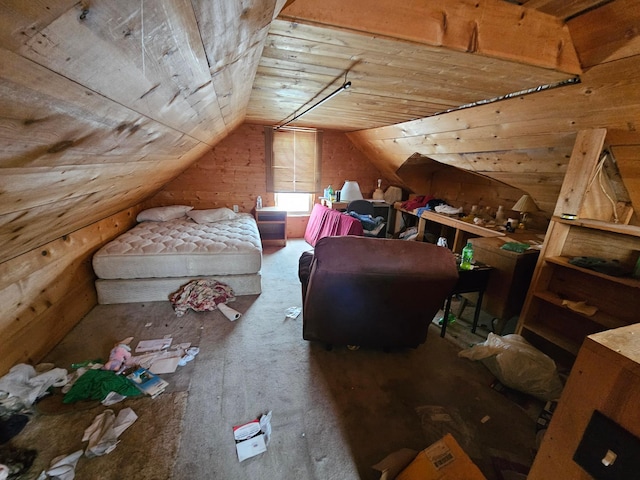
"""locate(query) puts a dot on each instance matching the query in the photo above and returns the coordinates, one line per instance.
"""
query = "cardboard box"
(443, 460)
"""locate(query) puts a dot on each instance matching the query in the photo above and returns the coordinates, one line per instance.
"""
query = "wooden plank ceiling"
(424, 60)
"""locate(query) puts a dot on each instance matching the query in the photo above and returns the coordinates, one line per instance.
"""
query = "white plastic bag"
(518, 365)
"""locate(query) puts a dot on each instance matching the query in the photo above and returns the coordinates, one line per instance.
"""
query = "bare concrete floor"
(335, 413)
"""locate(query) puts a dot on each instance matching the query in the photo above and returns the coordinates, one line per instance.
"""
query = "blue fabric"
(368, 222)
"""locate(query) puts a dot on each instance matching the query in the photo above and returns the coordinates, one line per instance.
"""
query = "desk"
(474, 280)
(462, 229)
(380, 209)
(508, 285)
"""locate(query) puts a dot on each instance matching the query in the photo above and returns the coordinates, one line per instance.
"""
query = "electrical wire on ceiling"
(344, 86)
(528, 91)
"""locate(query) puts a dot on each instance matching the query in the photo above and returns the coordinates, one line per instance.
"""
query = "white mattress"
(182, 248)
(159, 289)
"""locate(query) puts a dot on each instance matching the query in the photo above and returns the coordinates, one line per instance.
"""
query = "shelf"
(600, 225)
(272, 224)
(616, 298)
(554, 337)
(564, 262)
(600, 318)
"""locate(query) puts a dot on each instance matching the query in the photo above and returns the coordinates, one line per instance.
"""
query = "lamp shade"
(525, 205)
(350, 191)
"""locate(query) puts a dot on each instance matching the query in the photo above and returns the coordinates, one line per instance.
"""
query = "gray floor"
(335, 413)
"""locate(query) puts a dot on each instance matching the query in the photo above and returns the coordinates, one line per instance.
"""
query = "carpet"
(335, 413)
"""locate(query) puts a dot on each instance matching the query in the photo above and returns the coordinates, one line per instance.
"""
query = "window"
(292, 159)
(295, 202)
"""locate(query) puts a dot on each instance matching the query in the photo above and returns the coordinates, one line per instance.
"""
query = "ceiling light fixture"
(344, 86)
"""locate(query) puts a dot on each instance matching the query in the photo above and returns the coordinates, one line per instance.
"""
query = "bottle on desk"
(467, 257)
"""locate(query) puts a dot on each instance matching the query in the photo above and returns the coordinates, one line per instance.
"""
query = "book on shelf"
(147, 382)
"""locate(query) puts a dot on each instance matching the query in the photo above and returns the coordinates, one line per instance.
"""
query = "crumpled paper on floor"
(103, 433)
(62, 467)
(25, 383)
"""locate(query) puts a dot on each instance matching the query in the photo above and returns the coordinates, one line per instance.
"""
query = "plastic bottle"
(330, 193)
(259, 202)
(467, 257)
(500, 215)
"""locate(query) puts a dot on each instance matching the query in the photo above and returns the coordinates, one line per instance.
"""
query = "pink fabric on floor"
(325, 222)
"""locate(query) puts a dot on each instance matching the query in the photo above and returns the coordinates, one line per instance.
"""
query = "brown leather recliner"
(373, 292)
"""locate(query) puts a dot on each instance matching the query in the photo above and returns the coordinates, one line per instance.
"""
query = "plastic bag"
(518, 365)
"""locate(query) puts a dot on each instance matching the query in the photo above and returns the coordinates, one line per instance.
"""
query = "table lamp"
(350, 191)
(524, 206)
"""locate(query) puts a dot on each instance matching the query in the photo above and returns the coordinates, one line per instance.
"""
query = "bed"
(155, 258)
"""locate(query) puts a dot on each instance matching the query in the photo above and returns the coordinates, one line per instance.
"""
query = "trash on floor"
(202, 295)
(62, 467)
(11, 424)
(518, 365)
(25, 384)
(443, 459)
(164, 360)
(16, 461)
(105, 429)
(119, 356)
(292, 312)
(252, 438)
(147, 382)
(229, 312)
(153, 345)
(97, 384)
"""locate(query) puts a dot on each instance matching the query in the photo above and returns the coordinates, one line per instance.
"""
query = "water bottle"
(467, 257)
(330, 193)
(259, 202)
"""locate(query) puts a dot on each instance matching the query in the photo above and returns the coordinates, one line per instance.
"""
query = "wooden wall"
(233, 172)
(47, 290)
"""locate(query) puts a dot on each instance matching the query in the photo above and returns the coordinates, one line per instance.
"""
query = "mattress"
(134, 290)
(182, 248)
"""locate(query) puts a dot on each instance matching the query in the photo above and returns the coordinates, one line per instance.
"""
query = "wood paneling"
(46, 290)
(491, 27)
(607, 34)
(391, 81)
(563, 9)
(233, 172)
(545, 121)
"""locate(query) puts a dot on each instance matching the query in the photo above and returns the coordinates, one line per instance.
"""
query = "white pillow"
(212, 215)
(162, 214)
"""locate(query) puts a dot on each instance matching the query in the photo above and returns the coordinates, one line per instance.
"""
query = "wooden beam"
(607, 33)
(488, 27)
(585, 155)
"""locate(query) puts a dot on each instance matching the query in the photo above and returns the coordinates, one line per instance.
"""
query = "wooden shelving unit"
(550, 318)
(272, 224)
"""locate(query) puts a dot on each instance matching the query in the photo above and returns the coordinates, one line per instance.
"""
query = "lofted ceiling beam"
(487, 27)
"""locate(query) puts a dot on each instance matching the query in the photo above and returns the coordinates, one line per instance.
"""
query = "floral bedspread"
(201, 296)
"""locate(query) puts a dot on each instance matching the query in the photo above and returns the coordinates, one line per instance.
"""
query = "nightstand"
(272, 225)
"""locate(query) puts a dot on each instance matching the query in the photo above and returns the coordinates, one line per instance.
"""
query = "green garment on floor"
(96, 385)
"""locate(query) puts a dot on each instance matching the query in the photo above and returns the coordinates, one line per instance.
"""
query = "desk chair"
(364, 207)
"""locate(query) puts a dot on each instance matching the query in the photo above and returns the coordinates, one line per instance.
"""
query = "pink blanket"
(325, 222)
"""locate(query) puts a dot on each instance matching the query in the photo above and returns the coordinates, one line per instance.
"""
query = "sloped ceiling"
(104, 101)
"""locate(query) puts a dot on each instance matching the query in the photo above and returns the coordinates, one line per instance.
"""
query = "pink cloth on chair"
(325, 222)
